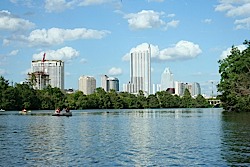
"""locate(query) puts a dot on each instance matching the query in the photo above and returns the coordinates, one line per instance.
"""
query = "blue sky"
(94, 37)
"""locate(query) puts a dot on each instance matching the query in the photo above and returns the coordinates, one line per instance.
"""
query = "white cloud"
(227, 52)
(143, 46)
(171, 15)
(236, 9)
(12, 23)
(173, 23)
(27, 3)
(6, 42)
(93, 2)
(58, 5)
(13, 52)
(83, 61)
(243, 23)
(147, 19)
(114, 71)
(207, 21)
(65, 54)
(61, 5)
(53, 36)
(183, 50)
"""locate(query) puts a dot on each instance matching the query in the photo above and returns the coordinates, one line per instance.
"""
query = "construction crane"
(43, 62)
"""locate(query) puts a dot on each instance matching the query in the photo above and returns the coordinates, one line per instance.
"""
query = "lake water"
(152, 137)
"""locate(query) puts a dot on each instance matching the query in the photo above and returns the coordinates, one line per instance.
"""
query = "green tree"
(235, 80)
(201, 102)
(187, 100)
(153, 101)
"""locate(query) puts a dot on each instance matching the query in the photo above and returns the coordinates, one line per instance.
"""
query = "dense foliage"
(24, 96)
(235, 80)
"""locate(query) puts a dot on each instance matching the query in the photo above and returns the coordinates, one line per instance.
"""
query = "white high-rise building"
(87, 84)
(48, 72)
(193, 88)
(104, 83)
(167, 80)
(140, 71)
(196, 89)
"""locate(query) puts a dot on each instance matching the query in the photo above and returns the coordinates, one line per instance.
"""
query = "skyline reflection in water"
(152, 137)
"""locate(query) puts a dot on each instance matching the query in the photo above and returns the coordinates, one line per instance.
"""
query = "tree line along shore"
(22, 96)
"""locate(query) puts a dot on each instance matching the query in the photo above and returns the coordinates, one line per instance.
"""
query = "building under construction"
(47, 72)
(38, 79)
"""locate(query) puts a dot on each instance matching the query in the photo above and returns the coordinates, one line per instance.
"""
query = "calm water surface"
(153, 137)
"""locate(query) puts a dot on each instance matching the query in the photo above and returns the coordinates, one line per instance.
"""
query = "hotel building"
(87, 84)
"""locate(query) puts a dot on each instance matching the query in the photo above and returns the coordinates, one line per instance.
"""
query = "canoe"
(68, 114)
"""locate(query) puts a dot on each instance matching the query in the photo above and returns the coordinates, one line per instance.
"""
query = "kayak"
(68, 114)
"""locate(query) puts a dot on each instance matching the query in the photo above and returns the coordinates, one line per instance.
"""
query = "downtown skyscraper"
(140, 71)
(167, 80)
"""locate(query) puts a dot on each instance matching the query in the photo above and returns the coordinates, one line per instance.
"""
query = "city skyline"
(96, 37)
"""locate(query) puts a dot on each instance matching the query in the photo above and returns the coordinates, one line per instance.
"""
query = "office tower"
(196, 89)
(87, 84)
(180, 88)
(167, 80)
(140, 71)
(113, 83)
(47, 72)
(108, 83)
(104, 83)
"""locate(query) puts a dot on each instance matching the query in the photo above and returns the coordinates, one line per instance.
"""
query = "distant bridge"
(214, 102)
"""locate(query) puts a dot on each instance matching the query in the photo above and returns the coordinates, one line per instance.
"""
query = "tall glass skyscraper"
(52, 69)
(140, 71)
(167, 80)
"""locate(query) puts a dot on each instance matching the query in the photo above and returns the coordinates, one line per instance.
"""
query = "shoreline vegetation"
(235, 80)
(22, 96)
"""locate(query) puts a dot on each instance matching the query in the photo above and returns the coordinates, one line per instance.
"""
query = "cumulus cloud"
(143, 46)
(227, 52)
(10, 22)
(182, 50)
(65, 54)
(236, 9)
(147, 19)
(53, 36)
(114, 71)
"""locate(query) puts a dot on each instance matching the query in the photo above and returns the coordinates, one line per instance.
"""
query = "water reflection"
(164, 137)
(236, 138)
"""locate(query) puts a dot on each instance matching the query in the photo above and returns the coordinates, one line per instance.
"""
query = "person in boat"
(24, 110)
(67, 109)
(58, 111)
